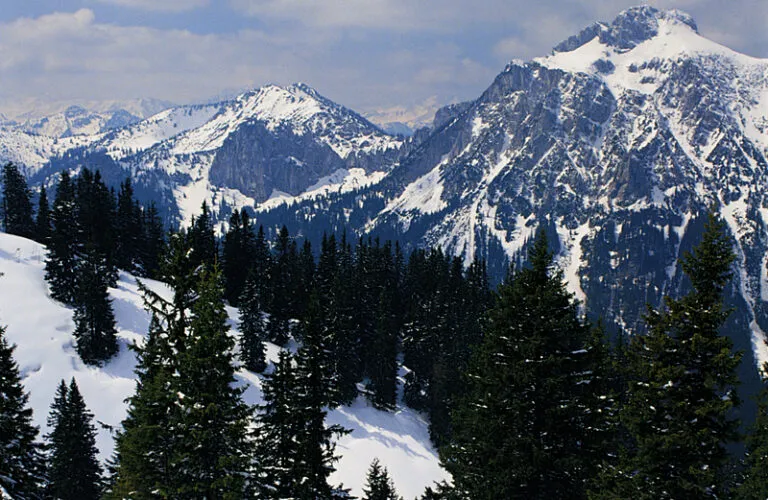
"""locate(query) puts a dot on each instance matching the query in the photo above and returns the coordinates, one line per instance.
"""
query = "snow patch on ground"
(571, 260)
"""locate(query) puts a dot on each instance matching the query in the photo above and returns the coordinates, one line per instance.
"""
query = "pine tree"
(211, 457)
(22, 465)
(282, 275)
(74, 472)
(681, 388)
(152, 242)
(238, 253)
(382, 367)
(277, 453)
(43, 222)
(17, 203)
(128, 220)
(378, 484)
(95, 213)
(253, 327)
(95, 331)
(755, 484)
(518, 432)
(203, 239)
(61, 259)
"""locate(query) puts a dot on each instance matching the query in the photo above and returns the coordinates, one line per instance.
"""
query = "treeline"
(525, 398)
(90, 231)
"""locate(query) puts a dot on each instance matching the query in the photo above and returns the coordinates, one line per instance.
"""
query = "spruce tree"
(74, 472)
(681, 388)
(22, 465)
(518, 432)
(61, 259)
(281, 300)
(253, 327)
(95, 331)
(382, 367)
(755, 484)
(95, 212)
(17, 203)
(238, 253)
(211, 457)
(378, 484)
(128, 220)
(203, 239)
(43, 221)
(152, 242)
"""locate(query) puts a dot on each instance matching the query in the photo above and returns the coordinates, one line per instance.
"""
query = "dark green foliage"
(382, 367)
(43, 221)
(378, 484)
(128, 229)
(281, 283)
(254, 301)
(152, 242)
(518, 432)
(95, 332)
(755, 484)
(185, 434)
(17, 203)
(22, 465)
(61, 260)
(202, 239)
(74, 472)
(238, 253)
(95, 215)
(295, 450)
(211, 457)
(681, 389)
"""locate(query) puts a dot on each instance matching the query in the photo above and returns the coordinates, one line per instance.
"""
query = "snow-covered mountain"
(42, 331)
(57, 120)
(616, 143)
(272, 143)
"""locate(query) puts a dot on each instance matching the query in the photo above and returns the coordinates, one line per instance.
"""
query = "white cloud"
(159, 5)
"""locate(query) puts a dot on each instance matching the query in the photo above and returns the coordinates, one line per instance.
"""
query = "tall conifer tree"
(61, 260)
(74, 472)
(22, 465)
(518, 432)
(17, 203)
(682, 379)
(43, 221)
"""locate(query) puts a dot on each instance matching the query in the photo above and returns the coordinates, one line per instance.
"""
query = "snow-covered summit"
(630, 28)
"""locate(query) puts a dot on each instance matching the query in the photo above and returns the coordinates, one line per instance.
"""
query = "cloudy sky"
(366, 54)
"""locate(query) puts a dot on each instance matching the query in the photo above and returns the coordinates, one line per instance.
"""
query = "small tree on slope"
(74, 472)
(378, 484)
(681, 388)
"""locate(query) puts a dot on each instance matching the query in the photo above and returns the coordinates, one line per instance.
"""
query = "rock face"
(271, 142)
(617, 144)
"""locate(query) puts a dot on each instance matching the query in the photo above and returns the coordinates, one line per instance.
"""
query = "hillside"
(42, 330)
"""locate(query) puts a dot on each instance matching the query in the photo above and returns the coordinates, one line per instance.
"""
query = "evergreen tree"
(61, 259)
(378, 484)
(681, 388)
(17, 203)
(128, 230)
(382, 368)
(202, 239)
(74, 472)
(146, 446)
(518, 432)
(277, 452)
(755, 484)
(281, 300)
(22, 465)
(43, 222)
(152, 242)
(95, 331)
(253, 327)
(211, 457)
(95, 212)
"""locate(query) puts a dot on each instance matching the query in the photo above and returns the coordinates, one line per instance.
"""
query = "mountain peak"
(629, 29)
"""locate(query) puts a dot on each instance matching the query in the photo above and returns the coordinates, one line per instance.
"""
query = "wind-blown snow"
(42, 331)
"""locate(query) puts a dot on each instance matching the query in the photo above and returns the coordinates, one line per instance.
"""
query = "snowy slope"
(42, 330)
